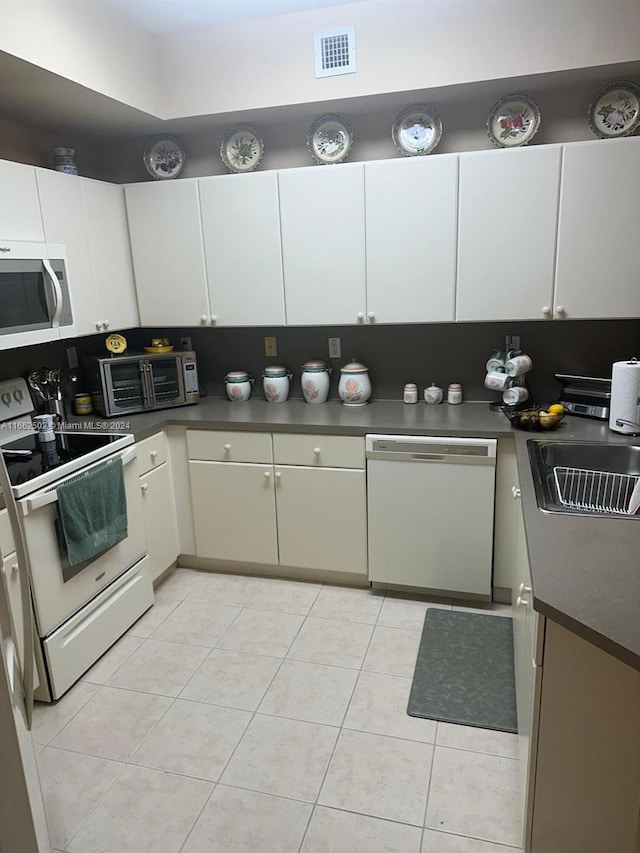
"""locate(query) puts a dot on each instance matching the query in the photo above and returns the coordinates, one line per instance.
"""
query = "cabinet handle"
(214, 319)
(203, 318)
(14, 570)
(227, 448)
(522, 602)
(144, 486)
(371, 316)
(316, 451)
(277, 475)
(515, 491)
(99, 325)
(524, 590)
(360, 317)
(560, 310)
(267, 475)
(153, 454)
(546, 310)
(105, 324)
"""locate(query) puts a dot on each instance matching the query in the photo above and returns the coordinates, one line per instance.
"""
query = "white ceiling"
(162, 16)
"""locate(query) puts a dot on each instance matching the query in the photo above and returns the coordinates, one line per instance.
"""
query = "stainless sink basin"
(566, 468)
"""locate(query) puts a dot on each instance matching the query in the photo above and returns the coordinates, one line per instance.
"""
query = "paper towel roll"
(624, 416)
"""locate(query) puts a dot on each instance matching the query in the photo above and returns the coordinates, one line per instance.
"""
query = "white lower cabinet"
(301, 516)
(159, 519)
(322, 518)
(234, 511)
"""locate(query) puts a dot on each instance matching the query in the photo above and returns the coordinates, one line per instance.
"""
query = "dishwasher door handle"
(429, 457)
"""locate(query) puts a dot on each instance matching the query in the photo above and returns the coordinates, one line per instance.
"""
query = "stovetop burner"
(27, 458)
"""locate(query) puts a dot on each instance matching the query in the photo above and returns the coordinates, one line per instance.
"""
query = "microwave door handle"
(57, 293)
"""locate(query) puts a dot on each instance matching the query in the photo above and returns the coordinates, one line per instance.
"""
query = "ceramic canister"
(315, 381)
(354, 387)
(276, 383)
(63, 160)
(238, 386)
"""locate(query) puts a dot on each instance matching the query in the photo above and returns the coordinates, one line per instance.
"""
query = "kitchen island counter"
(585, 570)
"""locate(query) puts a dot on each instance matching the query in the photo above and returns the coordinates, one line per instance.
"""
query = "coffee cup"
(516, 365)
(496, 381)
(496, 362)
(513, 396)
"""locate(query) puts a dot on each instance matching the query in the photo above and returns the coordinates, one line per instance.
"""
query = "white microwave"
(35, 305)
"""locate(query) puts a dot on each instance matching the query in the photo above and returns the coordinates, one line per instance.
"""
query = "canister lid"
(314, 366)
(237, 376)
(455, 386)
(354, 367)
(274, 371)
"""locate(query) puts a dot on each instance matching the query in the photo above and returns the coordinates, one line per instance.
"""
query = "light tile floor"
(264, 716)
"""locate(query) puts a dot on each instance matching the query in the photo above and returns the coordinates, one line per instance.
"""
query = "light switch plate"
(72, 358)
(185, 344)
(270, 346)
(335, 350)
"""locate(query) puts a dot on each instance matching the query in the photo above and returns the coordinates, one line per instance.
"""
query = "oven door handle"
(28, 505)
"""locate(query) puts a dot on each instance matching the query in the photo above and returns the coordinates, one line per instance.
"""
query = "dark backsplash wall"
(450, 352)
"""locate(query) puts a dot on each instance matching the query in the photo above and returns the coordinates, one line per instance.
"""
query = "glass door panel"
(124, 379)
(23, 296)
(166, 378)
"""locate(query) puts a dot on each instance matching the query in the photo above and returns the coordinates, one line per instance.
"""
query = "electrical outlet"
(185, 344)
(270, 346)
(72, 358)
(335, 350)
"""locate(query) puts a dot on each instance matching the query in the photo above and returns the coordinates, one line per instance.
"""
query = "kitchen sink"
(595, 479)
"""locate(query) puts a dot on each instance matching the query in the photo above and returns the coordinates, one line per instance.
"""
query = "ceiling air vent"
(335, 52)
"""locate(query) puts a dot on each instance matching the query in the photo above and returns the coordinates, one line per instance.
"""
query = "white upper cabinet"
(110, 255)
(65, 222)
(411, 218)
(598, 267)
(508, 213)
(241, 232)
(323, 244)
(168, 255)
(20, 217)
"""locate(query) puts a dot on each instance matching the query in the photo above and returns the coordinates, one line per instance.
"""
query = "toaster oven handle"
(57, 293)
(50, 496)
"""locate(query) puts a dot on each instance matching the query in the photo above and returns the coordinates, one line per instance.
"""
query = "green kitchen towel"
(93, 511)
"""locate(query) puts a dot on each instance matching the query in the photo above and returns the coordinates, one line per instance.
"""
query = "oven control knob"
(144, 486)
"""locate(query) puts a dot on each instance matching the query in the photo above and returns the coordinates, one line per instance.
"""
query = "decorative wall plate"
(513, 121)
(615, 110)
(241, 148)
(164, 157)
(329, 139)
(416, 130)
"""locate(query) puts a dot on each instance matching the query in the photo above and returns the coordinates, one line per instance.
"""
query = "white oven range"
(79, 611)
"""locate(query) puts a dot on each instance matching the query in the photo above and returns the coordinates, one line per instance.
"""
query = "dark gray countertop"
(585, 571)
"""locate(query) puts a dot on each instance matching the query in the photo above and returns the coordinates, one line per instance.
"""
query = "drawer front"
(152, 452)
(7, 545)
(219, 446)
(323, 451)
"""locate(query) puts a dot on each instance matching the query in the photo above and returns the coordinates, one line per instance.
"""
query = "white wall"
(88, 42)
(402, 45)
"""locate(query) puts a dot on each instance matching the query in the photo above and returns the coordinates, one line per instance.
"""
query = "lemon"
(556, 409)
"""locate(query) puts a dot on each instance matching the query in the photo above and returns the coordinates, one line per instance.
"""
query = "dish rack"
(598, 491)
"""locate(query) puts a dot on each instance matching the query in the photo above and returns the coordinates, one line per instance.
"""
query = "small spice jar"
(433, 394)
(238, 386)
(83, 404)
(410, 394)
(454, 393)
(275, 383)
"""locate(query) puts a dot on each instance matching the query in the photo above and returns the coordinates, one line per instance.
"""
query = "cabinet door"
(322, 519)
(598, 246)
(159, 519)
(234, 512)
(13, 592)
(168, 256)
(508, 213)
(411, 216)
(323, 239)
(110, 254)
(65, 222)
(241, 231)
(20, 217)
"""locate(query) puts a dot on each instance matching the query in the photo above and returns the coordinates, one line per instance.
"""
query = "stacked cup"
(506, 373)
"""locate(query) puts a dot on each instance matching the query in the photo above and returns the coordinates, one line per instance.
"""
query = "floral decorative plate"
(329, 139)
(615, 110)
(513, 121)
(241, 148)
(416, 130)
(164, 157)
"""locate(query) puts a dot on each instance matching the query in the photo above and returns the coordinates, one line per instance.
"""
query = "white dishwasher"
(430, 506)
